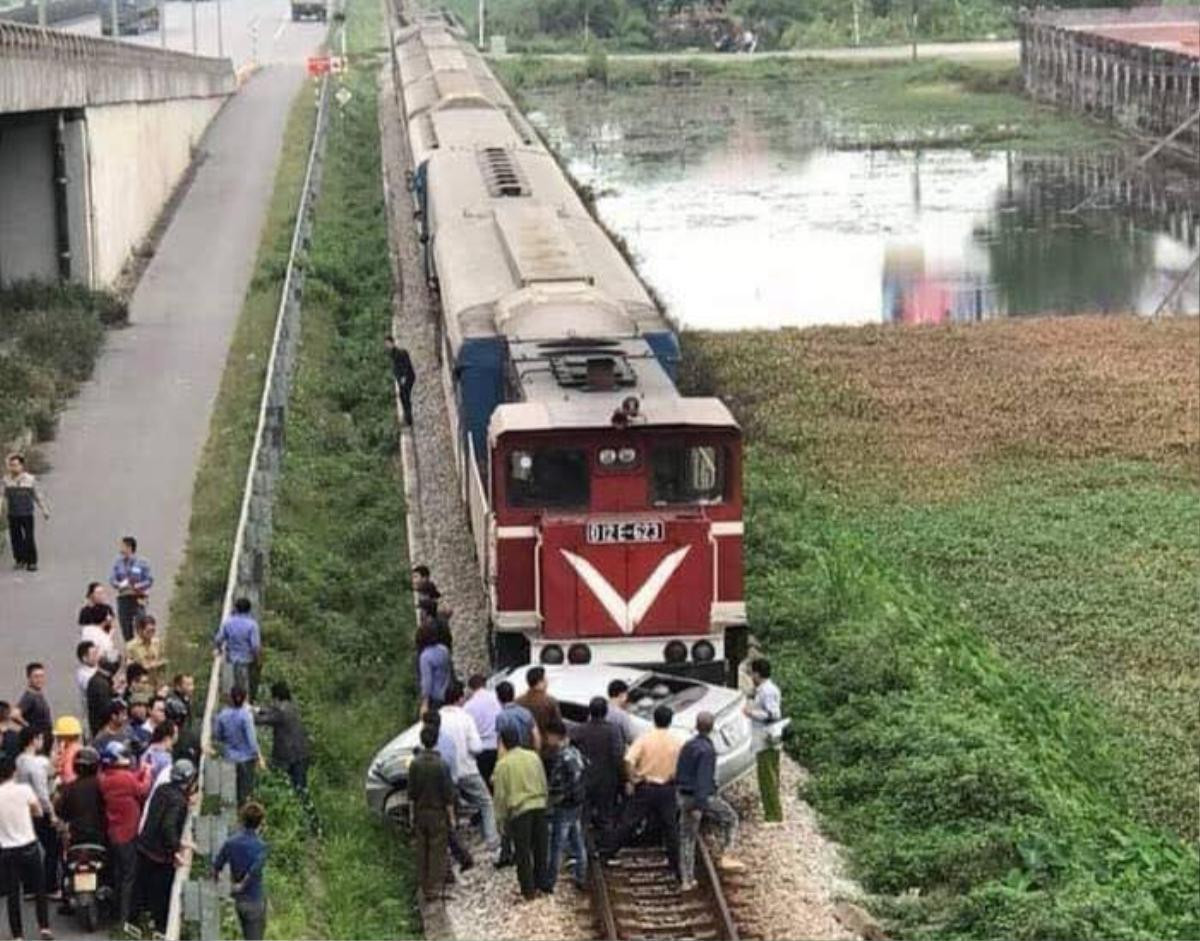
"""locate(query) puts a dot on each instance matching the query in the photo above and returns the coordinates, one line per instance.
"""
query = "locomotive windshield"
(687, 474)
(556, 477)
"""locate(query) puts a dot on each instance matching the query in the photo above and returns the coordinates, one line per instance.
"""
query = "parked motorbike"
(83, 886)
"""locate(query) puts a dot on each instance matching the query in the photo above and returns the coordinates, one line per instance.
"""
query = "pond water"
(753, 209)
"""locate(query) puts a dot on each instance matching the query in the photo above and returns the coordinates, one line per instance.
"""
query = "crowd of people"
(122, 773)
(534, 783)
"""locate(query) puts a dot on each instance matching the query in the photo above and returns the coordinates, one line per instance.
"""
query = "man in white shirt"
(483, 707)
(460, 728)
(101, 635)
(20, 855)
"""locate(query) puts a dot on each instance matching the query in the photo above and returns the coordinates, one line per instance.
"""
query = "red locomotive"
(606, 507)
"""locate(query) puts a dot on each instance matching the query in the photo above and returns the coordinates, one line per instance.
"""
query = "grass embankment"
(972, 551)
(217, 494)
(331, 613)
(50, 338)
(338, 626)
(934, 103)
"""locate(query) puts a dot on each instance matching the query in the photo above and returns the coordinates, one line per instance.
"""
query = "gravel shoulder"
(796, 878)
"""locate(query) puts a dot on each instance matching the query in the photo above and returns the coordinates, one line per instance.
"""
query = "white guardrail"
(246, 565)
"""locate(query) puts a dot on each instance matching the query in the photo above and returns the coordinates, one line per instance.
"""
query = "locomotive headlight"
(607, 457)
(703, 651)
(627, 455)
(675, 652)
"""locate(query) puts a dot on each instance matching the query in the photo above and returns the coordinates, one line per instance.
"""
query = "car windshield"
(661, 690)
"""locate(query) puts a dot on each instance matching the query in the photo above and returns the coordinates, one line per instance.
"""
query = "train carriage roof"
(517, 252)
(464, 129)
(439, 70)
(551, 400)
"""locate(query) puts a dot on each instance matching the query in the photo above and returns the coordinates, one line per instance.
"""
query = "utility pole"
(41, 12)
(914, 29)
(481, 13)
(195, 43)
(162, 23)
(116, 24)
(857, 34)
(220, 32)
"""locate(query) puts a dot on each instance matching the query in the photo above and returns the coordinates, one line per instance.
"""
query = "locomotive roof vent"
(593, 370)
(502, 176)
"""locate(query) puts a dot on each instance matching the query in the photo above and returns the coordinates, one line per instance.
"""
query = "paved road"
(127, 445)
(982, 51)
(252, 30)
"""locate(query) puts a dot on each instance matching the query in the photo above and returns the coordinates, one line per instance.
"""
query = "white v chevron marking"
(627, 614)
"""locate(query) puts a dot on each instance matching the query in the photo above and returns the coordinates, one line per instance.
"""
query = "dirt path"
(1005, 50)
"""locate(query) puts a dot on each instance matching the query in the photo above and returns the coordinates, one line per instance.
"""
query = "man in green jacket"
(431, 795)
(519, 795)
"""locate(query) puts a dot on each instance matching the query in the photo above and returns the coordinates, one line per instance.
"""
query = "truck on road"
(133, 16)
(316, 9)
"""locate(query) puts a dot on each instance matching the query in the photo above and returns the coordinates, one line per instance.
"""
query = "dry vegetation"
(932, 407)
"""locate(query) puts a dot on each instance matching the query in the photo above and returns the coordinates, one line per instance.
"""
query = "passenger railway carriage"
(606, 507)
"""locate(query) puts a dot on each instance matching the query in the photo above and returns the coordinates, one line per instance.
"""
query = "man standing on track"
(18, 497)
(404, 374)
(132, 580)
(696, 778)
(651, 762)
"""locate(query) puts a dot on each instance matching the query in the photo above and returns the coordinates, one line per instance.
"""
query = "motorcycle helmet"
(182, 771)
(86, 760)
(115, 752)
(176, 709)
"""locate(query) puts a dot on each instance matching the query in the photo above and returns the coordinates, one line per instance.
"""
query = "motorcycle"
(83, 889)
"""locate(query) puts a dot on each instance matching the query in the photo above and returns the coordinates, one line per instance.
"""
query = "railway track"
(635, 896)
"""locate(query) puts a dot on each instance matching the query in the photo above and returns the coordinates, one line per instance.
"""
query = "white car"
(574, 687)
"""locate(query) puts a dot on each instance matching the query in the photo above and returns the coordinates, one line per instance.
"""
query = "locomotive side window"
(555, 477)
(687, 474)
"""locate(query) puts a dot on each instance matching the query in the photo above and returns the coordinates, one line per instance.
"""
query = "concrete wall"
(43, 69)
(27, 217)
(137, 153)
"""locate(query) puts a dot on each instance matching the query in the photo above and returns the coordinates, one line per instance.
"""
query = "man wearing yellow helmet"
(68, 738)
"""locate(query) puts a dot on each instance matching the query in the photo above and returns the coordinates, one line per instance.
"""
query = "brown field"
(880, 403)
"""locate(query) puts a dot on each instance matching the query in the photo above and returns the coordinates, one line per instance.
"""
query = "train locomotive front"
(606, 508)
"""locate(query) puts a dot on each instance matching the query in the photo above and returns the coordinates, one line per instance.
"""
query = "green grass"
(932, 103)
(945, 764)
(38, 370)
(337, 627)
(971, 554)
(1080, 573)
(216, 496)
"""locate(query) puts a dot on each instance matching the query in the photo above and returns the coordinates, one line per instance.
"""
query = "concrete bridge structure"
(95, 135)
(1139, 68)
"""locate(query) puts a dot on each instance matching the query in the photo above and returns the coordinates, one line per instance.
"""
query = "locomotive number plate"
(632, 531)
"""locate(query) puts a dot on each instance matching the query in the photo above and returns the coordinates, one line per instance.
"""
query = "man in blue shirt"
(241, 641)
(132, 580)
(233, 730)
(696, 784)
(435, 668)
(246, 854)
(514, 714)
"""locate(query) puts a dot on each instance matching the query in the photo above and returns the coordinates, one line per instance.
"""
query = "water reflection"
(740, 216)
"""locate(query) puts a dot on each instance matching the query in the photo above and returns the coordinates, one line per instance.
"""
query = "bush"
(1000, 797)
(50, 338)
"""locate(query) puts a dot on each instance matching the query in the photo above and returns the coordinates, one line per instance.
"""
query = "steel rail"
(616, 924)
(303, 209)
